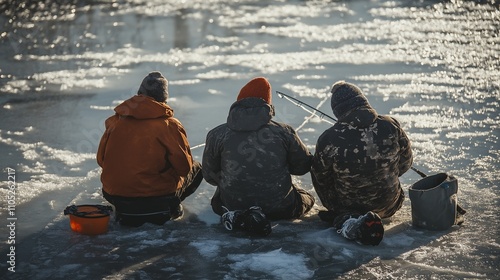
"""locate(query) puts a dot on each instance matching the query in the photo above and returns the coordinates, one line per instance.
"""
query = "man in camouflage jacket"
(358, 161)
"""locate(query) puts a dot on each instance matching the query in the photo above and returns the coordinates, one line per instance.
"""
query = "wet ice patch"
(277, 264)
(198, 204)
(398, 240)
(152, 243)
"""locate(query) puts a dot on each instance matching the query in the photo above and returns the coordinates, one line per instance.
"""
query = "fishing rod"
(198, 146)
(296, 102)
(301, 104)
(418, 172)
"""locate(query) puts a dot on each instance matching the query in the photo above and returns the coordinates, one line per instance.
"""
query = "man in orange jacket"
(147, 167)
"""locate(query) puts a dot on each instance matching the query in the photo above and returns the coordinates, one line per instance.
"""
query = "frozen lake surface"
(434, 65)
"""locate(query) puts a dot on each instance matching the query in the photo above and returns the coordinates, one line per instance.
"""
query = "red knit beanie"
(257, 87)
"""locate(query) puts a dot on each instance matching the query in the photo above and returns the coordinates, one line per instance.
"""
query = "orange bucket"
(88, 219)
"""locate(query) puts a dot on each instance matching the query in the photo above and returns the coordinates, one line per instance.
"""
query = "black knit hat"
(155, 85)
(346, 97)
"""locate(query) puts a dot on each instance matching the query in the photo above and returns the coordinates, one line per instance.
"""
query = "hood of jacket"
(143, 107)
(360, 117)
(249, 114)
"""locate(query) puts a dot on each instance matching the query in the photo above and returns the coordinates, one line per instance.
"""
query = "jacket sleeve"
(322, 174)
(109, 125)
(178, 150)
(299, 158)
(211, 161)
(405, 152)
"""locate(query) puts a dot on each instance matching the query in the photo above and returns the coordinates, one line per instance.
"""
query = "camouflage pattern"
(358, 161)
(251, 158)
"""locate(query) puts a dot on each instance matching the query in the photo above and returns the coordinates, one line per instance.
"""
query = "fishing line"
(306, 107)
(303, 106)
(313, 114)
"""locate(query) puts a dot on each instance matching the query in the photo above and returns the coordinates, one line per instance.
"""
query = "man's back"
(255, 159)
(358, 161)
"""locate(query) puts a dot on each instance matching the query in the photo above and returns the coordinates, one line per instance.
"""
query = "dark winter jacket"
(144, 151)
(250, 158)
(358, 161)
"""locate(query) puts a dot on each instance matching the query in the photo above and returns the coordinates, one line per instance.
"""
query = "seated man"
(357, 164)
(147, 167)
(251, 159)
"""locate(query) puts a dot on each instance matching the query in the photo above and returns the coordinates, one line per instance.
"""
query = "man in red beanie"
(251, 159)
(147, 167)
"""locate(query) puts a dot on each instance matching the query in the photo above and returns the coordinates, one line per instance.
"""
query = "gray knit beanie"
(155, 85)
(346, 97)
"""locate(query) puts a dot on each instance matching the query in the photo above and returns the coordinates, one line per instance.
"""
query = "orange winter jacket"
(144, 150)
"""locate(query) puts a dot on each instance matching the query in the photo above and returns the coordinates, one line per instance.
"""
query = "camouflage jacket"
(251, 158)
(358, 161)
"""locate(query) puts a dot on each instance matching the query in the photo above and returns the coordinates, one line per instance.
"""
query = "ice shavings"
(437, 77)
(250, 15)
(305, 91)
(82, 78)
(65, 156)
(185, 82)
(46, 175)
(102, 108)
(207, 248)
(437, 121)
(216, 74)
(467, 135)
(19, 132)
(407, 108)
(15, 86)
(41, 183)
(37, 167)
(276, 264)
(40, 151)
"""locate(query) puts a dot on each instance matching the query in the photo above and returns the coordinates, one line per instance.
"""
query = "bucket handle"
(73, 209)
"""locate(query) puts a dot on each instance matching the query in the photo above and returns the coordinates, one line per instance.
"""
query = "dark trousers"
(338, 217)
(135, 211)
(303, 202)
